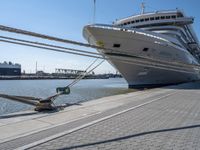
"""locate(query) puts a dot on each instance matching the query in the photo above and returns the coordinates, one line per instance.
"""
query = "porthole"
(145, 49)
(116, 45)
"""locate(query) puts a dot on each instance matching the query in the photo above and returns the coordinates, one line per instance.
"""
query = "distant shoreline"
(49, 78)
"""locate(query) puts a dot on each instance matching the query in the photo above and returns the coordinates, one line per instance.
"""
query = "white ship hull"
(139, 77)
(135, 42)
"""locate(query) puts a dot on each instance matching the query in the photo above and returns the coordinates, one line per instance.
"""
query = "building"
(10, 69)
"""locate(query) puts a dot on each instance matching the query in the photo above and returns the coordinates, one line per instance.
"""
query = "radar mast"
(143, 8)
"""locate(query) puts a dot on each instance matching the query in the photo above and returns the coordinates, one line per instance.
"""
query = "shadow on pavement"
(17, 115)
(132, 136)
(57, 109)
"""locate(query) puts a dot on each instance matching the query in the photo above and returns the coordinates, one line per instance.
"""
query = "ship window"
(145, 49)
(116, 45)
(141, 20)
(180, 15)
(173, 17)
(157, 18)
(152, 18)
(133, 21)
(167, 17)
(129, 23)
(146, 19)
(125, 23)
(136, 20)
(162, 17)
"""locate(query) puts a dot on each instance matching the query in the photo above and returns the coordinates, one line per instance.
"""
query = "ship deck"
(160, 118)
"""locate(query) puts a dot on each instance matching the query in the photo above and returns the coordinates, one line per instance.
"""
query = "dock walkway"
(161, 118)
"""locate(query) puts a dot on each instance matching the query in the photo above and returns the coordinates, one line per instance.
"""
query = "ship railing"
(175, 11)
(137, 31)
(161, 40)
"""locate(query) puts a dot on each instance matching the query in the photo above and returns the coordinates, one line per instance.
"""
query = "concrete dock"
(161, 118)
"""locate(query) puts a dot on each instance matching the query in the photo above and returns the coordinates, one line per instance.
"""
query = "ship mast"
(94, 12)
(143, 8)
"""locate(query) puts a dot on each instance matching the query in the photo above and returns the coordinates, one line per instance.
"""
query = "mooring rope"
(49, 45)
(53, 97)
(135, 60)
(47, 103)
(175, 65)
(118, 55)
(24, 99)
(85, 72)
(49, 48)
(43, 36)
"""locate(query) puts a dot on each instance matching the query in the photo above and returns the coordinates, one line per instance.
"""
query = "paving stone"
(173, 123)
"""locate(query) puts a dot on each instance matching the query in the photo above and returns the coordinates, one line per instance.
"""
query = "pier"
(160, 118)
(52, 99)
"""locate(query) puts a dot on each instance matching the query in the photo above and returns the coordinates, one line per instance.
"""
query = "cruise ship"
(165, 35)
(10, 69)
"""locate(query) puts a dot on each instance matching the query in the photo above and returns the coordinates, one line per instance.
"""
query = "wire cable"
(134, 60)
(43, 36)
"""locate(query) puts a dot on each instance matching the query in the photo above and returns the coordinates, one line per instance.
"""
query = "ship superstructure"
(174, 24)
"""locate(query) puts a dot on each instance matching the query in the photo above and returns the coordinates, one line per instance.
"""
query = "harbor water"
(85, 90)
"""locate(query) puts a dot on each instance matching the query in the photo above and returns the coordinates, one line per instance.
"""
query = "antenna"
(143, 8)
(36, 67)
(94, 13)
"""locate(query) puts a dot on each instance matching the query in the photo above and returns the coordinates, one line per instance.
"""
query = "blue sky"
(66, 19)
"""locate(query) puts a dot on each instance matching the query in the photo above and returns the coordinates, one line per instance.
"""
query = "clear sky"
(66, 19)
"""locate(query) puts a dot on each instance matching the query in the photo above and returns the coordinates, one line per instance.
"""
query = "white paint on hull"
(134, 43)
